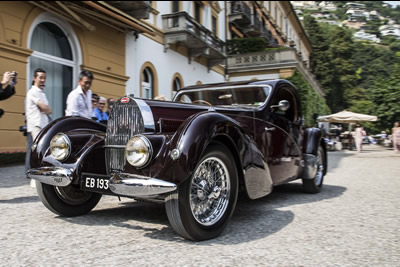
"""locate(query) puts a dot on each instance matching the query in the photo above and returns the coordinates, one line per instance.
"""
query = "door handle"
(270, 129)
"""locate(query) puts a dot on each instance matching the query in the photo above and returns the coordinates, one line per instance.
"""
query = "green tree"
(319, 58)
(386, 97)
(343, 76)
(311, 102)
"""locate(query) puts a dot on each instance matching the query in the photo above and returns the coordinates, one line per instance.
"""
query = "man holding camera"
(7, 86)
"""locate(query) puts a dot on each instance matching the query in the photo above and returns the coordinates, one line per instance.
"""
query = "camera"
(14, 79)
(23, 129)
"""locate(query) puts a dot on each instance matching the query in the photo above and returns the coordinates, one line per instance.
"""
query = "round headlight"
(138, 151)
(60, 146)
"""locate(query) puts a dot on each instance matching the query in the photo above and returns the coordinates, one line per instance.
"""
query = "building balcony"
(240, 14)
(180, 28)
(272, 60)
(136, 9)
(255, 28)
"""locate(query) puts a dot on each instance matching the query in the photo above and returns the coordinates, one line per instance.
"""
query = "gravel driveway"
(354, 221)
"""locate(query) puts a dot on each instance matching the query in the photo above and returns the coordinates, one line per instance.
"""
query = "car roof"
(273, 83)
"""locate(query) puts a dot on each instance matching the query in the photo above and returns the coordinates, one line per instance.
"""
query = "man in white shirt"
(79, 101)
(37, 105)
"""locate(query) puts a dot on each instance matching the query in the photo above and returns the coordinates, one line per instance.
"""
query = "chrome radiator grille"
(124, 122)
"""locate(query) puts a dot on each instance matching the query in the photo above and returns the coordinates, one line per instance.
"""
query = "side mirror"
(283, 105)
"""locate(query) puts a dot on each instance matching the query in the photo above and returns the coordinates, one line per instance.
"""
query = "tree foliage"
(331, 62)
(246, 45)
(311, 102)
(386, 98)
(357, 76)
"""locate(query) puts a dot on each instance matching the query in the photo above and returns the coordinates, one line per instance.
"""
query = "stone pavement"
(354, 221)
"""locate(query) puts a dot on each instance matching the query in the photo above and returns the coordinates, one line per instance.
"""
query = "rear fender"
(312, 140)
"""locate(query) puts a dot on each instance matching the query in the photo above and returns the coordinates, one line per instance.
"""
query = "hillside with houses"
(373, 21)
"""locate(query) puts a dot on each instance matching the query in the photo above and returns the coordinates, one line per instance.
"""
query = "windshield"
(250, 95)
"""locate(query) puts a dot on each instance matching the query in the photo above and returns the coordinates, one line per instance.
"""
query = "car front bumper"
(120, 183)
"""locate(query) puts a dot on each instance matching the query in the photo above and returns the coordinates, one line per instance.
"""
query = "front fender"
(199, 131)
(85, 135)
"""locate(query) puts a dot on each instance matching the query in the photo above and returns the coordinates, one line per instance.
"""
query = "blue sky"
(393, 3)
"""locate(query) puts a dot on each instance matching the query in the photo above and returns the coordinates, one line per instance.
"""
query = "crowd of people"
(80, 102)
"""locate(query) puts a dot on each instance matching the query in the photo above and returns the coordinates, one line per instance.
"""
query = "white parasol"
(347, 117)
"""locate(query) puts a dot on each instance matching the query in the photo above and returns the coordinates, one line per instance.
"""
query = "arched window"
(57, 55)
(177, 85)
(147, 84)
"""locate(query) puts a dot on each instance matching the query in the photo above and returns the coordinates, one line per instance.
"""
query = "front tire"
(314, 185)
(202, 205)
(67, 201)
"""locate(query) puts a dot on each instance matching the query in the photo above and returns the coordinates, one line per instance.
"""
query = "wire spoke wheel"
(202, 205)
(210, 191)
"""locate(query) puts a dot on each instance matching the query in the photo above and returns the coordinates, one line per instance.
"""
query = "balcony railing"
(267, 60)
(136, 9)
(240, 13)
(181, 28)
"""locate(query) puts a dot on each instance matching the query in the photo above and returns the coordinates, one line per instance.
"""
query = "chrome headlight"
(60, 146)
(138, 151)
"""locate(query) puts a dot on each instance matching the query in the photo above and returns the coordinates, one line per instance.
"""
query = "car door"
(279, 134)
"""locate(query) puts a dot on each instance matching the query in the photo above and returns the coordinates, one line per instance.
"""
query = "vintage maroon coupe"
(195, 154)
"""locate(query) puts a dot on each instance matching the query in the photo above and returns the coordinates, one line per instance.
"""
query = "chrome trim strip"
(115, 146)
(56, 176)
(226, 87)
(138, 185)
(147, 115)
(265, 86)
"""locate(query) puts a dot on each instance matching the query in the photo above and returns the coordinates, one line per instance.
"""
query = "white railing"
(274, 59)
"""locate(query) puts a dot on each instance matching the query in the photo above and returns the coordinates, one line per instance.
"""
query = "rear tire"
(314, 185)
(203, 204)
(67, 201)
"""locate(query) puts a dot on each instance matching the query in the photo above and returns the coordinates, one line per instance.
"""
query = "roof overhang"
(78, 12)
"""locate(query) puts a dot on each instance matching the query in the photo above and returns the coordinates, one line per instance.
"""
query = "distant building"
(390, 30)
(361, 35)
(353, 24)
(327, 6)
(356, 14)
(355, 5)
(310, 5)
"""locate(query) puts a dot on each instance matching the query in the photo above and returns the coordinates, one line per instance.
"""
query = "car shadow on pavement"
(20, 200)
(252, 219)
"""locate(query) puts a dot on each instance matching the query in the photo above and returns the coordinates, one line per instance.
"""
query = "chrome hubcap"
(210, 191)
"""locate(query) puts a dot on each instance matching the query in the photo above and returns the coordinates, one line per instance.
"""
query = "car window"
(286, 94)
(241, 96)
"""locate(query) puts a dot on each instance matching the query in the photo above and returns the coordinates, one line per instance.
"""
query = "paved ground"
(354, 221)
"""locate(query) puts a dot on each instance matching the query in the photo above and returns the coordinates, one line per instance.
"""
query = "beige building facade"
(33, 36)
(145, 48)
